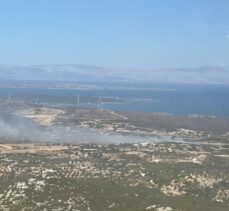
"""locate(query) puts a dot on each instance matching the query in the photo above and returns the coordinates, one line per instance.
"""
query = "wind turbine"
(9, 97)
(78, 101)
(101, 108)
(36, 101)
(99, 102)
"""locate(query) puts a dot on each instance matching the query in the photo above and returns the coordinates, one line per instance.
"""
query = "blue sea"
(178, 99)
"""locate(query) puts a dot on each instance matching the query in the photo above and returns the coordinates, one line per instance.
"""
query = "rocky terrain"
(186, 169)
(144, 176)
(192, 128)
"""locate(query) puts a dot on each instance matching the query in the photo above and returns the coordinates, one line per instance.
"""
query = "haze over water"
(170, 98)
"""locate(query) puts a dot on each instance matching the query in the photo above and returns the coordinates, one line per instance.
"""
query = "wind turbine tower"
(99, 102)
(78, 101)
(9, 97)
(101, 107)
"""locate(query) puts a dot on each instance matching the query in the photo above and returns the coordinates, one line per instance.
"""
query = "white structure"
(78, 101)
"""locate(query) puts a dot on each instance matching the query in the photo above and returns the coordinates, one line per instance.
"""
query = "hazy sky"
(115, 33)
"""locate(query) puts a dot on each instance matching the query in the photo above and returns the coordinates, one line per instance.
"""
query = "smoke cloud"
(18, 129)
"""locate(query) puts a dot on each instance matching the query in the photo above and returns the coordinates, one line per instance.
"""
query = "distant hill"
(72, 72)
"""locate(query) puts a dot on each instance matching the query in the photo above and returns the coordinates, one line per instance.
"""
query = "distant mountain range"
(72, 72)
